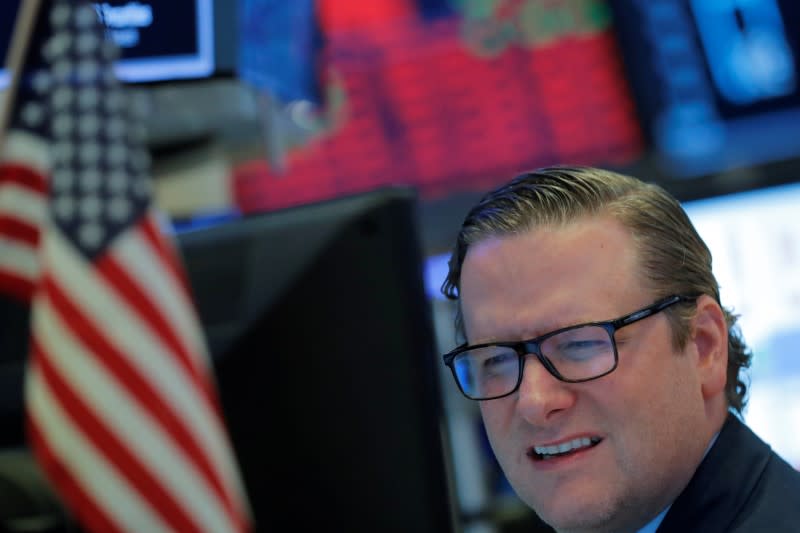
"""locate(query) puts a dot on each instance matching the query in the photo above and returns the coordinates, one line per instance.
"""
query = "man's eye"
(583, 349)
(583, 345)
(499, 359)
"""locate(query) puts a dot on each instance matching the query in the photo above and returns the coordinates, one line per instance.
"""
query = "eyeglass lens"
(577, 354)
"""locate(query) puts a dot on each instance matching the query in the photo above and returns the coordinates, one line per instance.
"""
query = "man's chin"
(590, 517)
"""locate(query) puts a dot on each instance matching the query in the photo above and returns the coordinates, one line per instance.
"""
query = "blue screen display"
(717, 81)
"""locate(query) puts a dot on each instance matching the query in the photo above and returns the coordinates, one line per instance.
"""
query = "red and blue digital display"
(455, 103)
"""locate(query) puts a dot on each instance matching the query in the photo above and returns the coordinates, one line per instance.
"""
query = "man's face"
(647, 417)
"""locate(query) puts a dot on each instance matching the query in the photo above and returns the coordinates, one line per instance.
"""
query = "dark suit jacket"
(741, 486)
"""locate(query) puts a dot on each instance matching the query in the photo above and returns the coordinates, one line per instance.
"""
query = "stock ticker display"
(457, 102)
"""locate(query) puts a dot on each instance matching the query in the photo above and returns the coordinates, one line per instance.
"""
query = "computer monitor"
(754, 238)
(323, 345)
(717, 83)
(159, 40)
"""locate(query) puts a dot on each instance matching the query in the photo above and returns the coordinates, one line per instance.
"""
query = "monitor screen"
(754, 239)
(159, 40)
(717, 83)
(323, 345)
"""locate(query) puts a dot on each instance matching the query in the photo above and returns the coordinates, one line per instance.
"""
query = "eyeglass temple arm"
(653, 309)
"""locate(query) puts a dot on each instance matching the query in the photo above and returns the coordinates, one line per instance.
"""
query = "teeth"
(565, 447)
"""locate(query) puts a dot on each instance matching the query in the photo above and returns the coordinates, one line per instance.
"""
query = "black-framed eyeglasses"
(573, 354)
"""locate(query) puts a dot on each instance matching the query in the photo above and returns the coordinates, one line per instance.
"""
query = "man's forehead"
(549, 277)
(581, 243)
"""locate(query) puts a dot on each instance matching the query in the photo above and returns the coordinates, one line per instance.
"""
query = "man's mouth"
(543, 453)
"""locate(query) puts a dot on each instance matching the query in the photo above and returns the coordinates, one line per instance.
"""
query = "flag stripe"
(108, 496)
(115, 450)
(150, 240)
(22, 211)
(27, 150)
(15, 230)
(160, 296)
(167, 250)
(144, 354)
(194, 443)
(24, 178)
(157, 422)
(125, 418)
(19, 264)
(73, 491)
(139, 292)
(17, 287)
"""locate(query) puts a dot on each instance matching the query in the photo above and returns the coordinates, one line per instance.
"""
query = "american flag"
(122, 410)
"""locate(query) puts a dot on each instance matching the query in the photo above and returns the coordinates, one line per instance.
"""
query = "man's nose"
(541, 395)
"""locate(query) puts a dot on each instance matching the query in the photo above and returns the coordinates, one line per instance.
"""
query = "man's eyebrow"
(528, 333)
(548, 327)
(557, 325)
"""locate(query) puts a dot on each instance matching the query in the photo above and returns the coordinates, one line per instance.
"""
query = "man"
(607, 371)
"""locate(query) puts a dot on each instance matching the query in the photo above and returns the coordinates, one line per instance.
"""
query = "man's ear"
(709, 337)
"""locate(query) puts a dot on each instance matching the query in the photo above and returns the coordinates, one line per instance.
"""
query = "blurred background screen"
(448, 100)
(716, 82)
(158, 39)
(754, 238)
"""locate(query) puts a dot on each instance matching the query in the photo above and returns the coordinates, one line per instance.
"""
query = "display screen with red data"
(455, 103)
